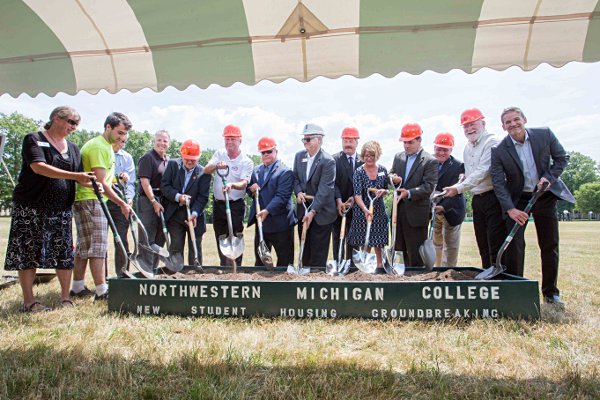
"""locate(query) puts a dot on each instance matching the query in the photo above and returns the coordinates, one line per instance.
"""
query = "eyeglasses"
(266, 152)
(71, 122)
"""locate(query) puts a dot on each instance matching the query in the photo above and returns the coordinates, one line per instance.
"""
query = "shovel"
(263, 250)
(192, 235)
(173, 262)
(365, 261)
(232, 246)
(339, 266)
(389, 255)
(427, 249)
(498, 268)
(118, 240)
(298, 269)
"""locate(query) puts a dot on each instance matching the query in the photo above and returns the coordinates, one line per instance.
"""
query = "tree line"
(582, 175)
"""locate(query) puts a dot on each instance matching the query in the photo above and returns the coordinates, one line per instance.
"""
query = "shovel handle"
(370, 217)
(343, 228)
(258, 218)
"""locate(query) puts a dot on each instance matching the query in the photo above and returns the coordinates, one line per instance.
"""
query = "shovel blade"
(231, 247)
(173, 262)
(427, 253)
(265, 255)
(159, 250)
(331, 267)
(364, 261)
(491, 272)
(297, 270)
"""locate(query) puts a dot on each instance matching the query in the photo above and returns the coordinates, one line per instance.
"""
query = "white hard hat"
(312, 129)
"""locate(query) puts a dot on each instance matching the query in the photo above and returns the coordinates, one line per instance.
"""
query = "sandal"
(66, 303)
(34, 307)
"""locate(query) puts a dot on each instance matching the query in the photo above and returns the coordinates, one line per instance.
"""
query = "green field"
(88, 353)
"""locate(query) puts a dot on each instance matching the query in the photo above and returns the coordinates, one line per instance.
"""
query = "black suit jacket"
(198, 188)
(276, 197)
(320, 183)
(507, 172)
(455, 207)
(343, 175)
(420, 183)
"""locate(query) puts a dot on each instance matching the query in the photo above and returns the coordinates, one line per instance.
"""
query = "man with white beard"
(490, 229)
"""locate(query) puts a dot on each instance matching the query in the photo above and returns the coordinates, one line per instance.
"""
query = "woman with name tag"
(367, 176)
(41, 227)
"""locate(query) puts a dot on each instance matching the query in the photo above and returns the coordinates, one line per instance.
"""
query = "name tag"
(381, 174)
(43, 144)
(304, 160)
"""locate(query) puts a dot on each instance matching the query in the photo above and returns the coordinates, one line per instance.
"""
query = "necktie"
(350, 161)
(261, 175)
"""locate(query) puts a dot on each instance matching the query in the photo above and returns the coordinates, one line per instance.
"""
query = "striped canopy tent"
(50, 46)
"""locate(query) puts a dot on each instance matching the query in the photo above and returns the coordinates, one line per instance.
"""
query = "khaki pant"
(446, 240)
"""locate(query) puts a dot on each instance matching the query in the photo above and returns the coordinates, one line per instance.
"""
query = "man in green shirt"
(97, 155)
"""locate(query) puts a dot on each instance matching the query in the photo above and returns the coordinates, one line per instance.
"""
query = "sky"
(566, 99)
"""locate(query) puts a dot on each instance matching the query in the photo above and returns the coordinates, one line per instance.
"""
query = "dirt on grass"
(358, 276)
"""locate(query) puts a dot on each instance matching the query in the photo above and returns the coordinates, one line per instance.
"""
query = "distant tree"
(14, 126)
(81, 137)
(588, 197)
(581, 169)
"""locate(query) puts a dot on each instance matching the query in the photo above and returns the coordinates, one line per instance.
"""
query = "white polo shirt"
(239, 168)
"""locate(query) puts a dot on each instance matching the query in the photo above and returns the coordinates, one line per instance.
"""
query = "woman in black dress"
(370, 175)
(40, 231)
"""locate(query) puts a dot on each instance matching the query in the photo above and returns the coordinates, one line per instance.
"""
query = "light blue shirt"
(124, 163)
(530, 173)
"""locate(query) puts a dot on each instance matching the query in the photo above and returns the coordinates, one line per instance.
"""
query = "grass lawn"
(88, 353)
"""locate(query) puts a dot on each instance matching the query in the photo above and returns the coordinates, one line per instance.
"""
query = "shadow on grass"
(43, 372)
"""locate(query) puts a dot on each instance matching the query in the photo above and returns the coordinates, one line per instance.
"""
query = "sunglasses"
(71, 122)
(307, 139)
(266, 152)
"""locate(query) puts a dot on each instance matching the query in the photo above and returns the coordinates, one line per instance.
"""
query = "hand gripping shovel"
(192, 235)
(263, 250)
(427, 249)
(498, 268)
(298, 269)
(365, 261)
(173, 262)
(113, 228)
(232, 246)
(339, 266)
(389, 255)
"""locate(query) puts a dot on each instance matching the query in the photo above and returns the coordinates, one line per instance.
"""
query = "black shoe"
(84, 293)
(554, 299)
(101, 297)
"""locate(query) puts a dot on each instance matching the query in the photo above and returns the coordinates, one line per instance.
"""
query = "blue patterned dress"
(379, 227)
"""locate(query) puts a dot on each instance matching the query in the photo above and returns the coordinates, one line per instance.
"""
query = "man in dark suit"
(417, 172)
(522, 163)
(450, 211)
(184, 179)
(346, 162)
(275, 182)
(314, 174)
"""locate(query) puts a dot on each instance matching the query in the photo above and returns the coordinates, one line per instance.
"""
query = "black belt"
(231, 201)
(484, 193)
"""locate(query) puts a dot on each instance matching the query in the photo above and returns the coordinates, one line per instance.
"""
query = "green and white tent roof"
(50, 46)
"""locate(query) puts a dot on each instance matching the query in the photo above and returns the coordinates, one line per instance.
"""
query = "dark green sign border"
(508, 297)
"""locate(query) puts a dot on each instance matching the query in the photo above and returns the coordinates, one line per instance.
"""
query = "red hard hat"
(470, 115)
(350, 133)
(266, 143)
(232, 131)
(410, 131)
(190, 150)
(445, 140)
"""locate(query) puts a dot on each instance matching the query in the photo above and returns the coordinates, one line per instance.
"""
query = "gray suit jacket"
(320, 183)
(420, 183)
(507, 172)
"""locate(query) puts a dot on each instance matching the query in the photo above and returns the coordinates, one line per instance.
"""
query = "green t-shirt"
(96, 153)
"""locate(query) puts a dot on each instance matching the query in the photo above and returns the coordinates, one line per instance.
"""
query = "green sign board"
(510, 297)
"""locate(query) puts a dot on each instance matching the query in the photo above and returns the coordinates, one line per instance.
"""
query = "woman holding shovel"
(41, 225)
(370, 176)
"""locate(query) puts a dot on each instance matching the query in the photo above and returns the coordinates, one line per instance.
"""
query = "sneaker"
(101, 297)
(84, 293)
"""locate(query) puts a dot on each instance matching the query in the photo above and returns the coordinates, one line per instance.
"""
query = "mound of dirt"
(218, 275)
